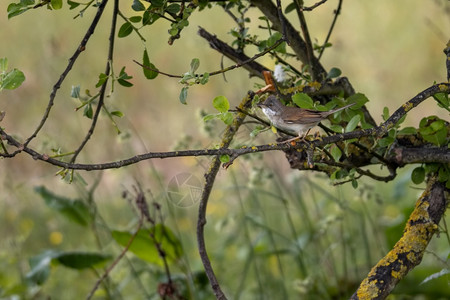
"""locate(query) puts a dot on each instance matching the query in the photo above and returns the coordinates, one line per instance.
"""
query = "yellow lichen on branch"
(407, 252)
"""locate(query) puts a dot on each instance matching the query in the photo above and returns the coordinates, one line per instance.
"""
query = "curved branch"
(210, 178)
(408, 251)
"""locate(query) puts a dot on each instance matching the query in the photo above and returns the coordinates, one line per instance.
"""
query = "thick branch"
(254, 68)
(296, 42)
(408, 251)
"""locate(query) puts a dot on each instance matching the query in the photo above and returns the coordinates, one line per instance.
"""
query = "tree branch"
(210, 178)
(408, 251)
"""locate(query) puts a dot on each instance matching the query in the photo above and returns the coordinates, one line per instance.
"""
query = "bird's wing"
(307, 116)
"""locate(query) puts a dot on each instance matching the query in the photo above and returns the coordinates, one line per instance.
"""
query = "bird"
(294, 119)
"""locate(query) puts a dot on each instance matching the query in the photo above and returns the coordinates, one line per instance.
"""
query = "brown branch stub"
(408, 251)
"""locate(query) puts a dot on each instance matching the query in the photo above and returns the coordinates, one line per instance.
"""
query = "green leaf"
(137, 5)
(337, 128)
(290, 7)
(226, 117)
(88, 111)
(275, 38)
(358, 98)
(334, 72)
(74, 210)
(353, 123)
(143, 246)
(418, 175)
(336, 153)
(72, 4)
(385, 113)
(183, 95)
(303, 100)
(40, 267)
(81, 260)
(209, 117)
(205, 78)
(135, 19)
(56, 4)
(354, 183)
(443, 100)
(101, 80)
(173, 8)
(221, 104)
(149, 74)
(195, 63)
(11, 80)
(75, 92)
(117, 113)
(125, 29)
(224, 158)
(407, 130)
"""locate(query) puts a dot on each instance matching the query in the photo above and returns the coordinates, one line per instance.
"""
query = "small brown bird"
(294, 119)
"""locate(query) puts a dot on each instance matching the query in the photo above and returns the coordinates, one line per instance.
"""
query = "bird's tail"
(340, 108)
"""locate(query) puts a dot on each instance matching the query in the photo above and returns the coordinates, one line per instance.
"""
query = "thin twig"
(309, 49)
(336, 14)
(103, 87)
(115, 262)
(309, 8)
(63, 76)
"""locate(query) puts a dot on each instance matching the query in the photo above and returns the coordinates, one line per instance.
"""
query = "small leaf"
(205, 78)
(173, 8)
(358, 98)
(56, 4)
(149, 74)
(183, 94)
(221, 104)
(353, 123)
(125, 29)
(75, 92)
(303, 100)
(88, 111)
(101, 80)
(385, 113)
(12, 80)
(334, 72)
(81, 260)
(195, 63)
(209, 117)
(354, 183)
(224, 158)
(137, 5)
(226, 117)
(407, 130)
(337, 128)
(117, 113)
(135, 19)
(418, 175)
(72, 4)
(336, 153)
(124, 82)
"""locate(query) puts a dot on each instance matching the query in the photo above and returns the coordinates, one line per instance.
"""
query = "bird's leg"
(300, 137)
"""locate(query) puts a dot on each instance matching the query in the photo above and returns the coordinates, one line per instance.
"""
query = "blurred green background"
(272, 232)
